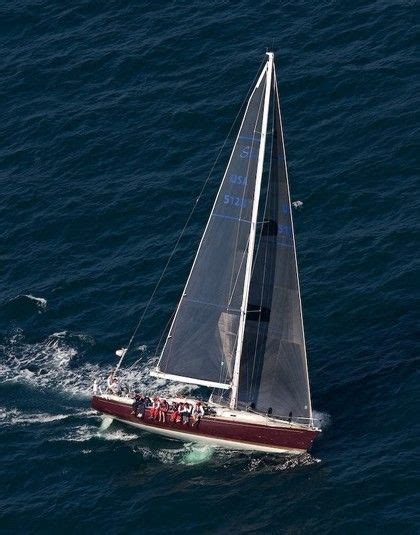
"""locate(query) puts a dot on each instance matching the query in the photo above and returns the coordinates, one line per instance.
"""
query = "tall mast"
(251, 243)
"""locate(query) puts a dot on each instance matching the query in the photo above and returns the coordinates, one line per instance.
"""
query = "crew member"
(110, 381)
(112, 384)
(155, 408)
(197, 413)
(163, 409)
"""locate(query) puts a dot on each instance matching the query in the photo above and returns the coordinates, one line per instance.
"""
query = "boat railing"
(311, 422)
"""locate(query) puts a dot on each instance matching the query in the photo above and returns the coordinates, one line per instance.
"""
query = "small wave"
(322, 419)
(24, 304)
(197, 454)
(40, 301)
(176, 456)
(70, 336)
(280, 462)
(84, 433)
(15, 417)
(86, 413)
(189, 454)
(192, 454)
(297, 461)
(60, 334)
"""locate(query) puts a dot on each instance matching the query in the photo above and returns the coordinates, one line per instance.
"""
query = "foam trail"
(47, 364)
(188, 454)
(322, 419)
(85, 433)
(197, 454)
(15, 417)
(50, 364)
(106, 422)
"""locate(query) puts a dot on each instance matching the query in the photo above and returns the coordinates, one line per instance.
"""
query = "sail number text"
(238, 179)
(232, 200)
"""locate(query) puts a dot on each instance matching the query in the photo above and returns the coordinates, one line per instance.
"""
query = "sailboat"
(238, 327)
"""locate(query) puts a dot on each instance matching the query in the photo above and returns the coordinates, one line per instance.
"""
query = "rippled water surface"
(112, 116)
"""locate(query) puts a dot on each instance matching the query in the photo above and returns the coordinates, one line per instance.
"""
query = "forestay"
(201, 343)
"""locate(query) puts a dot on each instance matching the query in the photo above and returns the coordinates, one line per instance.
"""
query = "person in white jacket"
(197, 413)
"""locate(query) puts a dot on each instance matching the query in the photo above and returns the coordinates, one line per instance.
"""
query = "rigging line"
(256, 252)
(242, 207)
(231, 291)
(168, 323)
(186, 224)
(237, 275)
(258, 244)
(245, 253)
(158, 344)
(268, 198)
(263, 219)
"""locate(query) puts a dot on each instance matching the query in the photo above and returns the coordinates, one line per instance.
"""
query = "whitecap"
(197, 454)
(321, 419)
(297, 461)
(60, 334)
(15, 417)
(40, 301)
(84, 433)
(175, 456)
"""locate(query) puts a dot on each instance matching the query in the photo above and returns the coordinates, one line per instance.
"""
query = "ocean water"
(112, 116)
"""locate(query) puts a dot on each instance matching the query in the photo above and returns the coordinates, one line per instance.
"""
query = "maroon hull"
(287, 438)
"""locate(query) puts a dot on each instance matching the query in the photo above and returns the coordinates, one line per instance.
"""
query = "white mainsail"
(194, 350)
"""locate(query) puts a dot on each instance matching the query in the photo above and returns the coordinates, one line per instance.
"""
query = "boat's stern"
(112, 405)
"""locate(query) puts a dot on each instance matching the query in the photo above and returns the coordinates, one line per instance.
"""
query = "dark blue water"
(112, 115)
